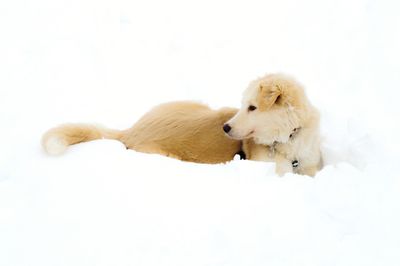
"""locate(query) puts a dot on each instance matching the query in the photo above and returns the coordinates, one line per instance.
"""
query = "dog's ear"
(269, 94)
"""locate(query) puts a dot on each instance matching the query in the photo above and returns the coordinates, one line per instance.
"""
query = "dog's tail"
(56, 140)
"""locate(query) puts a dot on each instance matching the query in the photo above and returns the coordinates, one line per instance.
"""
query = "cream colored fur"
(187, 131)
(281, 106)
(193, 132)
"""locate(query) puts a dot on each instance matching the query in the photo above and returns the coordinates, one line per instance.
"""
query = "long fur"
(187, 131)
(190, 131)
(281, 106)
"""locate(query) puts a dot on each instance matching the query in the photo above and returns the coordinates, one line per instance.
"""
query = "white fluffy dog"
(278, 123)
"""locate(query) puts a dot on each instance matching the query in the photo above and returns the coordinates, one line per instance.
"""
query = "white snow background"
(108, 62)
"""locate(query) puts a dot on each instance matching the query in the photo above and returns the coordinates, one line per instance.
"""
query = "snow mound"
(109, 62)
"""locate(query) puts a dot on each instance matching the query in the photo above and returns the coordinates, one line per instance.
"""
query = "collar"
(295, 131)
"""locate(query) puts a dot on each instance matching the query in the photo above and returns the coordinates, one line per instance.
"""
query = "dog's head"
(272, 107)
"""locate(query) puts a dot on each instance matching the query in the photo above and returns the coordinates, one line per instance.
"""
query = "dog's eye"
(251, 108)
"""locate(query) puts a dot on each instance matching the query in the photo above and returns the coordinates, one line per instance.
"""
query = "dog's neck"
(294, 133)
(292, 136)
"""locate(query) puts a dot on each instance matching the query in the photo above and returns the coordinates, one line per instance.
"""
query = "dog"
(185, 130)
(278, 123)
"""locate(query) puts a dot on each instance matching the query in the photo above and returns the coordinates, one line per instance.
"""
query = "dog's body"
(278, 123)
(187, 131)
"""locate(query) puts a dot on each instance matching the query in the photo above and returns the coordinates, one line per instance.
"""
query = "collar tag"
(295, 163)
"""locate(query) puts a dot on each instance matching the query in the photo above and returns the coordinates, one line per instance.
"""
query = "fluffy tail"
(56, 140)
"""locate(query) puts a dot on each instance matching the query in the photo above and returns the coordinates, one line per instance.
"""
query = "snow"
(109, 62)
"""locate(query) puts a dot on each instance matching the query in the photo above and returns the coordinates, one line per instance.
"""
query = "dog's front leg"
(309, 170)
(283, 165)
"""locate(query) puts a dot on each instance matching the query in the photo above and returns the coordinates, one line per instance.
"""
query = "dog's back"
(187, 131)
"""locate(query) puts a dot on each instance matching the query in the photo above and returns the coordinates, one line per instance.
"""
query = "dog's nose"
(227, 128)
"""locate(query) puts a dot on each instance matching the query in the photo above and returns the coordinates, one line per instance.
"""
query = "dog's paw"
(283, 167)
